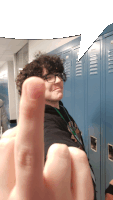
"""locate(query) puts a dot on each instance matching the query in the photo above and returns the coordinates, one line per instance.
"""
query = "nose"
(58, 79)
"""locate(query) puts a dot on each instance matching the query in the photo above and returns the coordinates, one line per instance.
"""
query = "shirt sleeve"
(109, 190)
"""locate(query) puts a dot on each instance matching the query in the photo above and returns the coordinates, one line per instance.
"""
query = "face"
(52, 93)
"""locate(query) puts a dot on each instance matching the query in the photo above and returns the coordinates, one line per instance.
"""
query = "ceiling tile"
(6, 57)
(2, 49)
(16, 42)
(9, 52)
(5, 41)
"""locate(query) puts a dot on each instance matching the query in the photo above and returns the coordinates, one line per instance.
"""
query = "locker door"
(109, 109)
(78, 111)
(93, 112)
(68, 86)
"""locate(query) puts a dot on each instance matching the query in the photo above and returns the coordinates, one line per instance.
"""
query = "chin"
(61, 96)
(57, 98)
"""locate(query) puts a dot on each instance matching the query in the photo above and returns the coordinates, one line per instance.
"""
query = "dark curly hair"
(52, 63)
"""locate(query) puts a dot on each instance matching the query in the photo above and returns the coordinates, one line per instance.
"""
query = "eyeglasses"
(51, 78)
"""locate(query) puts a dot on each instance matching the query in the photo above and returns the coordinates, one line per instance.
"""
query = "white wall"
(11, 90)
(45, 46)
(4, 70)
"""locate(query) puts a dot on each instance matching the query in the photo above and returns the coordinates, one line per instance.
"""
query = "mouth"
(58, 89)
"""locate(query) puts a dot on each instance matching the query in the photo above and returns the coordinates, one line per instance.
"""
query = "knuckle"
(9, 133)
(5, 143)
(59, 150)
(6, 133)
(78, 154)
(25, 157)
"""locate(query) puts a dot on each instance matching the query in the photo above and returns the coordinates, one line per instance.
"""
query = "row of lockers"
(88, 96)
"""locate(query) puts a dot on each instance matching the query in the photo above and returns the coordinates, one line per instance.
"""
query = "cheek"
(48, 90)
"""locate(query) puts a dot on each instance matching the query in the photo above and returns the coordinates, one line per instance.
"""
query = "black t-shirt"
(57, 131)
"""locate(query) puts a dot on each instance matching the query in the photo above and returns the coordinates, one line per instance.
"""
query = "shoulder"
(1, 103)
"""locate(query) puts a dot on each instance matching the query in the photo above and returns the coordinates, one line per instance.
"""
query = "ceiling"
(8, 47)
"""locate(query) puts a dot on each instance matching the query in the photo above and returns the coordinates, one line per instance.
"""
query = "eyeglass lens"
(52, 78)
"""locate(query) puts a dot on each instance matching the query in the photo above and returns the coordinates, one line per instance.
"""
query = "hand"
(66, 174)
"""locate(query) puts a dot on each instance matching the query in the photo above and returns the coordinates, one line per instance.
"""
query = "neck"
(53, 103)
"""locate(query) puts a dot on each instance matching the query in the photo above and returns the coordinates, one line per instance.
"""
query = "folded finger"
(57, 172)
(9, 133)
(82, 187)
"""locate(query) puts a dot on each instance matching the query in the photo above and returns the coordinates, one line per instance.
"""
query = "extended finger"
(29, 146)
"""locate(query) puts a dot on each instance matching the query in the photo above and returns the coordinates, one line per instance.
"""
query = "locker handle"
(110, 152)
(93, 143)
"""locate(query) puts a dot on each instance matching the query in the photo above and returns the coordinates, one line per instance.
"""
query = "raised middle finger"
(29, 145)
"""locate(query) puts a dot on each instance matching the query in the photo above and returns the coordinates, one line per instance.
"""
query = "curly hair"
(52, 63)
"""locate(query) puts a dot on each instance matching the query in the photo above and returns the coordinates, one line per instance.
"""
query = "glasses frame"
(57, 74)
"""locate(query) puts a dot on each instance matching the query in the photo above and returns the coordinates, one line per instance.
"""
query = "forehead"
(45, 71)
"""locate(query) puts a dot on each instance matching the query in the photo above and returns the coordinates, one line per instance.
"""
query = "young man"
(22, 147)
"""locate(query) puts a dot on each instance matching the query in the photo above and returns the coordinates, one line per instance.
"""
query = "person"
(66, 173)
(57, 121)
(3, 118)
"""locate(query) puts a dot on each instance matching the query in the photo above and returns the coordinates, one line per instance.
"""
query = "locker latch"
(110, 152)
(93, 143)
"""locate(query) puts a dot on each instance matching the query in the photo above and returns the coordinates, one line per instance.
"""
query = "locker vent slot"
(110, 61)
(93, 64)
(110, 152)
(78, 68)
(67, 67)
(93, 55)
(93, 143)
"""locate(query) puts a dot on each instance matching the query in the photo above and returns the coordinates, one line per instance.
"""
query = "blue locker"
(93, 110)
(82, 98)
(68, 85)
(78, 84)
(88, 96)
(109, 108)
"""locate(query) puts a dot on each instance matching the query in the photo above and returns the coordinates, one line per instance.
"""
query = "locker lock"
(110, 152)
(93, 143)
